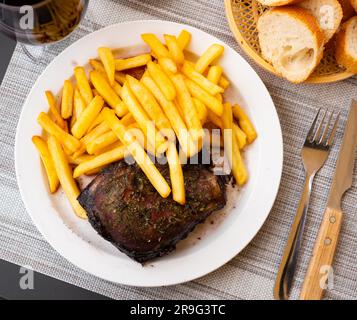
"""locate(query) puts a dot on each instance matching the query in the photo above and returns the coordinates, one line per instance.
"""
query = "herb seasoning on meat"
(125, 209)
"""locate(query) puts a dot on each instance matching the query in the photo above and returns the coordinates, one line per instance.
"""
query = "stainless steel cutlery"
(314, 154)
(326, 242)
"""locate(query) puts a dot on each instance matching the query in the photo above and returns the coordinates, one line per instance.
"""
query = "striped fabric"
(251, 274)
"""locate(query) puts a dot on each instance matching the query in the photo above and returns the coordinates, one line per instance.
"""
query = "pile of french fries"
(106, 115)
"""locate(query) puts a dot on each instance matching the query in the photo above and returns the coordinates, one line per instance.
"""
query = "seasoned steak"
(125, 209)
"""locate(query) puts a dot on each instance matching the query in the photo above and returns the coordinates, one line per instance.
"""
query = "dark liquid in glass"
(39, 22)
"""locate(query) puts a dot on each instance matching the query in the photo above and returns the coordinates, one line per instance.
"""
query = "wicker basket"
(242, 17)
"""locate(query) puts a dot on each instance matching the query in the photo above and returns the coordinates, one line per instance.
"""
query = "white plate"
(232, 230)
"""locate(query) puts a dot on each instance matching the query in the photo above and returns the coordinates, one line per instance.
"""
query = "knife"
(320, 267)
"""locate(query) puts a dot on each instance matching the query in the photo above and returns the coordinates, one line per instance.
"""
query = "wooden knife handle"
(322, 257)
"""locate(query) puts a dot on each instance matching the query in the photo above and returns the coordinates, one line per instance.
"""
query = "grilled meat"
(125, 209)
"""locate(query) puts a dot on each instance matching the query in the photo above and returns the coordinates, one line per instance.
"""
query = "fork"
(314, 154)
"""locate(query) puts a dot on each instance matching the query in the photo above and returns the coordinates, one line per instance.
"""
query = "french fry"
(234, 157)
(174, 49)
(99, 161)
(91, 136)
(184, 39)
(98, 120)
(162, 81)
(150, 105)
(155, 44)
(73, 119)
(104, 140)
(201, 110)
(121, 109)
(107, 58)
(223, 82)
(65, 176)
(139, 154)
(127, 119)
(216, 120)
(244, 123)
(201, 80)
(155, 139)
(120, 77)
(83, 84)
(117, 88)
(172, 114)
(179, 109)
(78, 104)
(80, 159)
(67, 100)
(219, 97)
(214, 74)
(42, 148)
(87, 117)
(240, 136)
(211, 102)
(167, 64)
(188, 107)
(192, 64)
(95, 171)
(70, 142)
(97, 65)
(54, 111)
(79, 152)
(176, 175)
(140, 137)
(114, 145)
(134, 62)
(107, 92)
(210, 55)
(100, 129)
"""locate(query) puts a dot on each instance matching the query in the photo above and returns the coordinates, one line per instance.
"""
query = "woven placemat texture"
(251, 274)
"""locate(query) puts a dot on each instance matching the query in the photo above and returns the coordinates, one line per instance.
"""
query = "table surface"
(46, 287)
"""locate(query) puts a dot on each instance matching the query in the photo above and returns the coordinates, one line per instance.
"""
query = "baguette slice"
(328, 13)
(291, 40)
(346, 45)
(354, 4)
(277, 3)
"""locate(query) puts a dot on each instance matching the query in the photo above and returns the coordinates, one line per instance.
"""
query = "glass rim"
(13, 7)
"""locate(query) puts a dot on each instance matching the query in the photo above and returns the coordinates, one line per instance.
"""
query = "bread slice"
(346, 45)
(291, 40)
(277, 3)
(347, 9)
(354, 4)
(327, 12)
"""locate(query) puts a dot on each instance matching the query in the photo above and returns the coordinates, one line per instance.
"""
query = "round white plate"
(212, 244)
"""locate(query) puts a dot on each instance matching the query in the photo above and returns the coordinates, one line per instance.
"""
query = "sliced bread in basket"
(328, 13)
(346, 45)
(291, 40)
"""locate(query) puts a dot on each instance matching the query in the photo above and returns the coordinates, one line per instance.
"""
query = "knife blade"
(342, 179)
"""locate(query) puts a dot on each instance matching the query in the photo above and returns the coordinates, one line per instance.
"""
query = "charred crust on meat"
(125, 209)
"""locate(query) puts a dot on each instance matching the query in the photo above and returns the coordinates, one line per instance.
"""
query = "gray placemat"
(251, 274)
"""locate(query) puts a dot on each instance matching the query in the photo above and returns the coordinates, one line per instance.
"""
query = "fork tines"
(322, 135)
